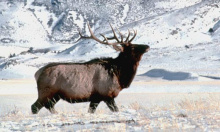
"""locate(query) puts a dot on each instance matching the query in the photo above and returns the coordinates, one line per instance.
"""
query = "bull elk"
(93, 81)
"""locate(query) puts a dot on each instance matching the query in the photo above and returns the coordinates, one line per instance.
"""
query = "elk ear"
(118, 48)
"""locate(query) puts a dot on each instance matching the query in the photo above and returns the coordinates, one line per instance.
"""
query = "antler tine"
(115, 36)
(117, 48)
(127, 39)
(89, 37)
(135, 33)
(81, 36)
(93, 36)
(105, 39)
(120, 35)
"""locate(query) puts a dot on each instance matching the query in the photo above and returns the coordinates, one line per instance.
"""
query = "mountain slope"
(176, 31)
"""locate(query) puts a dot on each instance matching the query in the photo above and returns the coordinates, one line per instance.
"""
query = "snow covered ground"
(150, 105)
(140, 111)
(177, 83)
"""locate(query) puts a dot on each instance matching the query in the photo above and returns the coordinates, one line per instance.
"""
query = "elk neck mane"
(124, 67)
(127, 65)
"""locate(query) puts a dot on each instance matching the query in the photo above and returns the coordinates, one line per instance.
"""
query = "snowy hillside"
(34, 33)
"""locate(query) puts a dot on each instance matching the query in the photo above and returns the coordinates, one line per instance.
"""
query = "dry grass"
(135, 106)
(187, 115)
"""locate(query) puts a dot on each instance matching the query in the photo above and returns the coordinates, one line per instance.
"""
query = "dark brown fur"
(94, 81)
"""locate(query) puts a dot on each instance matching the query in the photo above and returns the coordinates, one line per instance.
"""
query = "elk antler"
(106, 40)
(135, 33)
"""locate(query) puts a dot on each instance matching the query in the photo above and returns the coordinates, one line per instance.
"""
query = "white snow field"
(139, 111)
(177, 83)
(153, 105)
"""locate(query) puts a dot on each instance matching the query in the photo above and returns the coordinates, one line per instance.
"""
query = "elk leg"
(50, 104)
(93, 105)
(36, 107)
(111, 105)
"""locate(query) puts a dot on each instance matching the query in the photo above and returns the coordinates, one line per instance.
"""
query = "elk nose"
(147, 49)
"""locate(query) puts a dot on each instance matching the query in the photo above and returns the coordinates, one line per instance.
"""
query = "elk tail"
(37, 74)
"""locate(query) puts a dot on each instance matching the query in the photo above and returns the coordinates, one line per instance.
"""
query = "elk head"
(125, 47)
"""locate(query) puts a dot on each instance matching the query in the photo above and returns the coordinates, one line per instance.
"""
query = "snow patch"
(174, 4)
(76, 19)
(18, 71)
(6, 51)
(170, 75)
(125, 13)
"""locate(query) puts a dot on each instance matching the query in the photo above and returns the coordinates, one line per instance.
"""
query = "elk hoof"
(34, 109)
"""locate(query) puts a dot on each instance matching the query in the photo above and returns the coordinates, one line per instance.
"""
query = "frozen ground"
(152, 105)
(138, 112)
